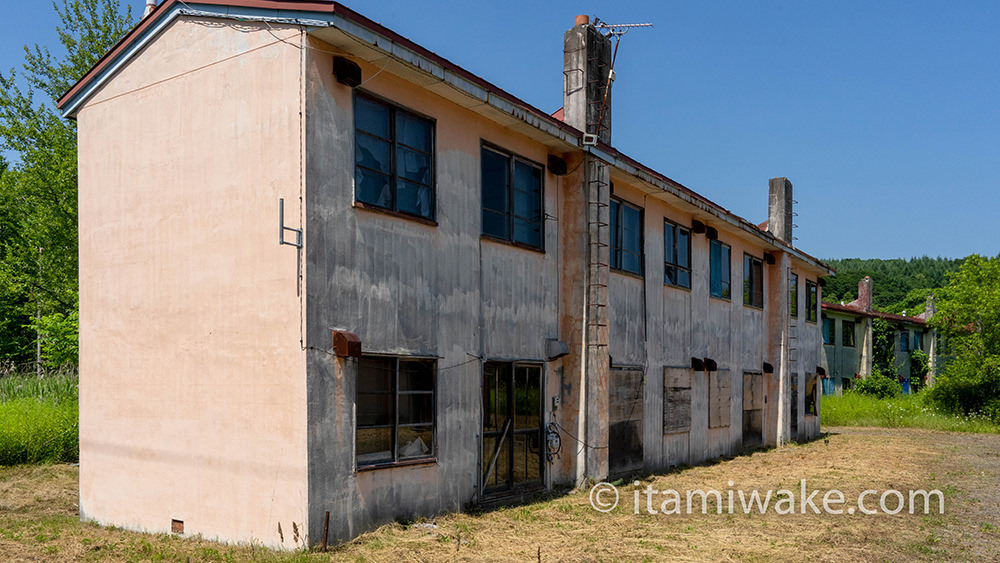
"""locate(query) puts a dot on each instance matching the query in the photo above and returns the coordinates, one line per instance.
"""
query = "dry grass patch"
(39, 521)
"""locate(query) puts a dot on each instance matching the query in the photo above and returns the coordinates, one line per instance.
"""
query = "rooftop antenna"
(616, 30)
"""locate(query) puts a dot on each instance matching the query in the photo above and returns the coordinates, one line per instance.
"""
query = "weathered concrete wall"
(410, 288)
(656, 326)
(192, 395)
(843, 362)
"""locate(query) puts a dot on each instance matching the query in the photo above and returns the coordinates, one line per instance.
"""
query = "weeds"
(904, 411)
(39, 418)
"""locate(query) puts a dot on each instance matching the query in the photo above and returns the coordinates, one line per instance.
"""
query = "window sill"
(627, 273)
(675, 286)
(391, 213)
(515, 244)
(394, 464)
(723, 299)
(757, 307)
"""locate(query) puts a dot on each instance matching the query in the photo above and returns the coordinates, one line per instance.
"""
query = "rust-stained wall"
(192, 400)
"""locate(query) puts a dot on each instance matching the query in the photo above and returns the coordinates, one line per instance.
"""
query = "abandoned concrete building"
(326, 270)
(848, 343)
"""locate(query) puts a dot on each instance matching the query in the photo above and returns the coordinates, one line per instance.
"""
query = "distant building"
(325, 269)
(848, 343)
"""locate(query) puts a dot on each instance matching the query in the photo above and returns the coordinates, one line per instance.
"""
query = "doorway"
(753, 409)
(512, 427)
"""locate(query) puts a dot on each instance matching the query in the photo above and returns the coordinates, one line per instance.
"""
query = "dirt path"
(39, 516)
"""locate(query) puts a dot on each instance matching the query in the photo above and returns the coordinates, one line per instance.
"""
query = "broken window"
(676, 255)
(793, 296)
(512, 197)
(626, 237)
(753, 281)
(828, 328)
(393, 158)
(719, 276)
(719, 398)
(676, 400)
(395, 410)
(812, 301)
(847, 331)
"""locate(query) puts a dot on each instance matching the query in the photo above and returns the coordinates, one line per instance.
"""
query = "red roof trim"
(835, 307)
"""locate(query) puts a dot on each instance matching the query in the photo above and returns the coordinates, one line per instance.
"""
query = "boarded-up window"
(676, 400)
(719, 398)
(812, 401)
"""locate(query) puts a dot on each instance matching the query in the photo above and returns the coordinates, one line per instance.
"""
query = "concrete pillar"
(779, 344)
(779, 209)
(586, 84)
(596, 365)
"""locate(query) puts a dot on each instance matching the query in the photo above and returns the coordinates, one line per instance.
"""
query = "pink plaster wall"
(192, 378)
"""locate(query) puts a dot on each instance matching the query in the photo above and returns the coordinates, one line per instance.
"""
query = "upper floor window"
(393, 158)
(828, 325)
(753, 281)
(904, 341)
(512, 198)
(847, 330)
(719, 274)
(626, 237)
(812, 301)
(793, 297)
(676, 255)
(395, 410)
(918, 340)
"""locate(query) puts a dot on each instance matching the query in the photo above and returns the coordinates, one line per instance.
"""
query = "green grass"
(905, 411)
(39, 418)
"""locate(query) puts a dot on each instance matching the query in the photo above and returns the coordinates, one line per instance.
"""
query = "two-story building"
(324, 269)
(848, 342)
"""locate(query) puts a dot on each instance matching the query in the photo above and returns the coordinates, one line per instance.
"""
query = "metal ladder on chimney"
(602, 80)
(598, 267)
(791, 323)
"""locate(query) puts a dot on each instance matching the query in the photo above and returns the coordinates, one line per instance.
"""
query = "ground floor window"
(395, 410)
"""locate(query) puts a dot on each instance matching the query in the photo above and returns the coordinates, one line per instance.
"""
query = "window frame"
(848, 336)
(904, 340)
(831, 324)
(812, 301)
(431, 456)
(616, 261)
(510, 215)
(725, 285)
(753, 296)
(394, 145)
(793, 296)
(676, 229)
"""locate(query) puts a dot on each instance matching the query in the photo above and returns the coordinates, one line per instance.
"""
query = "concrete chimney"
(587, 78)
(779, 209)
(150, 6)
(865, 294)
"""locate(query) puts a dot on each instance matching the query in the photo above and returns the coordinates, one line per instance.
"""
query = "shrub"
(879, 386)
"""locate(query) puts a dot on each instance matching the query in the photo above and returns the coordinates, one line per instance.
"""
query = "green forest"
(898, 284)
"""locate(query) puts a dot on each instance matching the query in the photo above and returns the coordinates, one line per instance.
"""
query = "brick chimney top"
(581, 20)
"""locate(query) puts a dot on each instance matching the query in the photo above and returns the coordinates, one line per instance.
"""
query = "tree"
(968, 317)
(38, 221)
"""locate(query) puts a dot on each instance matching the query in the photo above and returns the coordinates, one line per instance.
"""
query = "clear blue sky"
(884, 115)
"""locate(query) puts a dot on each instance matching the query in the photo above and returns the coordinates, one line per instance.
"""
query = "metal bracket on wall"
(283, 228)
